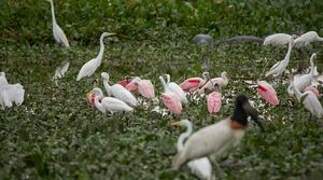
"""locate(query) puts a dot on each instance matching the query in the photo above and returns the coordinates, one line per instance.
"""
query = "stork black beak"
(254, 114)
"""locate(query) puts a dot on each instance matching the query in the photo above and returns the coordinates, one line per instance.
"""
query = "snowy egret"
(90, 67)
(217, 138)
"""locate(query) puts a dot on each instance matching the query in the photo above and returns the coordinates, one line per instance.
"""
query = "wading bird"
(58, 33)
(174, 88)
(313, 89)
(217, 138)
(214, 102)
(90, 67)
(304, 80)
(278, 69)
(310, 101)
(194, 83)
(268, 93)
(118, 91)
(277, 39)
(214, 83)
(172, 102)
(3, 79)
(109, 104)
(202, 167)
(61, 70)
(143, 86)
(10, 93)
(306, 38)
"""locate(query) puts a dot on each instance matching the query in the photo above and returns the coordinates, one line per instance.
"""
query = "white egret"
(217, 138)
(277, 39)
(118, 91)
(306, 38)
(59, 34)
(200, 167)
(110, 104)
(304, 80)
(173, 87)
(278, 69)
(90, 67)
(309, 100)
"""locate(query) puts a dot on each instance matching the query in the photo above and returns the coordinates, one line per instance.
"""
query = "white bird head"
(106, 34)
(105, 76)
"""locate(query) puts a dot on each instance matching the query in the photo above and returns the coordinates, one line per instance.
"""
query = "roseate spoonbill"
(277, 39)
(144, 87)
(172, 102)
(202, 167)
(214, 102)
(173, 87)
(110, 104)
(61, 70)
(90, 67)
(214, 83)
(310, 101)
(124, 82)
(279, 68)
(304, 80)
(118, 91)
(306, 38)
(58, 33)
(217, 138)
(194, 83)
(313, 89)
(267, 92)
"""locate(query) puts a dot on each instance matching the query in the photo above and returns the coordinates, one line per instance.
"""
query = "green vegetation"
(54, 134)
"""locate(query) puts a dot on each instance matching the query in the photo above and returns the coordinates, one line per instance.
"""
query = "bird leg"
(218, 169)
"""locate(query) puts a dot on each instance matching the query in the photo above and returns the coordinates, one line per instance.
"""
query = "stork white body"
(277, 39)
(118, 91)
(200, 167)
(90, 67)
(278, 69)
(58, 33)
(307, 38)
(174, 88)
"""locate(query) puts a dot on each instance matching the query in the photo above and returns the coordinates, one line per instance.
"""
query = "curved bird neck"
(162, 80)
(98, 105)
(53, 11)
(107, 86)
(100, 55)
(184, 136)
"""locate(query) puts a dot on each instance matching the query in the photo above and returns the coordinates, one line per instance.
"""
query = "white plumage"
(90, 67)
(118, 91)
(10, 93)
(58, 33)
(61, 70)
(174, 88)
(307, 38)
(200, 167)
(277, 69)
(110, 104)
(277, 39)
(214, 83)
(304, 80)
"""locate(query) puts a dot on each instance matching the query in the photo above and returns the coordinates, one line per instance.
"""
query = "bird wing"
(123, 94)
(277, 39)
(201, 167)
(146, 88)
(214, 102)
(178, 91)
(191, 83)
(114, 105)
(172, 102)
(60, 36)
(87, 69)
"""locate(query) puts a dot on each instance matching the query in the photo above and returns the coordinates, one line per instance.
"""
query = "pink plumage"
(214, 102)
(124, 82)
(172, 103)
(313, 89)
(132, 86)
(268, 93)
(192, 84)
(146, 89)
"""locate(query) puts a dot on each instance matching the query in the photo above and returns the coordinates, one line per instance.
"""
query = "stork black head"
(242, 110)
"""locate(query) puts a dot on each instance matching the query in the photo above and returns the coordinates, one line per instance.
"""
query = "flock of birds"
(198, 148)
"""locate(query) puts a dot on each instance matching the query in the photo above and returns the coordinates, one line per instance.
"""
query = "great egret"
(267, 92)
(304, 80)
(279, 68)
(58, 33)
(90, 67)
(214, 102)
(105, 104)
(214, 83)
(202, 167)
(277, 39)
(310, 101)
(306, 38)
(118, 91)
(194, 83)
(218, 137)
(174, 88)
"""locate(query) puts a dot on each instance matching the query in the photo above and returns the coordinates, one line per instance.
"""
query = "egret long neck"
(100, 55)
(297, 92)
(287, 57)
(98, 105)
(107, 86)
(162, 80)
(183, 136)
(53, 11)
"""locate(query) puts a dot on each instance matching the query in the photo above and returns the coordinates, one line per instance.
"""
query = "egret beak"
(254, 114)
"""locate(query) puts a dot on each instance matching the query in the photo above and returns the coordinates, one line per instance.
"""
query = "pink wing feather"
(146, 89)
(172, 103)
(214, 102)
(268, 93)
(192, 84)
